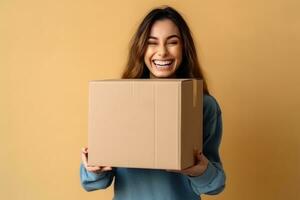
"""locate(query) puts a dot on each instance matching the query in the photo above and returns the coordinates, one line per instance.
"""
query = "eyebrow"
(169, 37)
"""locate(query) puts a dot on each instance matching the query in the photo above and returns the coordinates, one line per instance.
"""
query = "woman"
(163, 48)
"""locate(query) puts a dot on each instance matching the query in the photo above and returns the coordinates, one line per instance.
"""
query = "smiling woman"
(163, 35)
(163, 48)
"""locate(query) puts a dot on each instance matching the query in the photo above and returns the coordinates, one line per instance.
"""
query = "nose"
(162, 50)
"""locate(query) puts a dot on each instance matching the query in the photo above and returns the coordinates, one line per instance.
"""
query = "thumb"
(199, 156)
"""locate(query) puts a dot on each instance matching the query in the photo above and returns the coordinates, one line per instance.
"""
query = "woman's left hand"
(196, 170)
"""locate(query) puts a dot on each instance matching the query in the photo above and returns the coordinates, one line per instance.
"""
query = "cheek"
(147, 58)
(177, 53)
(148, 55)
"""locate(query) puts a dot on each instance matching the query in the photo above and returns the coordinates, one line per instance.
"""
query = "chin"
(163, 75)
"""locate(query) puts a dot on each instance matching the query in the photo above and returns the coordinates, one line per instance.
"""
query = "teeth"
(162, 62)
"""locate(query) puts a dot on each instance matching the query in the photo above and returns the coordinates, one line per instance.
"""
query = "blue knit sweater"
(149, 184)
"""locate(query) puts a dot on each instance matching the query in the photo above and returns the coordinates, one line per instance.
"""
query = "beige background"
(50, 49)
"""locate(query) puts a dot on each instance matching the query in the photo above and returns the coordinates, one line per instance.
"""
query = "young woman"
(163, 47)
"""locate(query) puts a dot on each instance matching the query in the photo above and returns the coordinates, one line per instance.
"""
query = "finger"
(202, 159)
(94, 168)
(199, 156)
(183, 171)
(187, 168)
(84, 159)
(106, 168)
(85, 149)
(195, 151)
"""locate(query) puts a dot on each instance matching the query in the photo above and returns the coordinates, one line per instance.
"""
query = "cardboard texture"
(145, 123)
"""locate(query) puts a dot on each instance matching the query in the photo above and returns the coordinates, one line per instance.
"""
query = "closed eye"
(173, 42)
(152, 43)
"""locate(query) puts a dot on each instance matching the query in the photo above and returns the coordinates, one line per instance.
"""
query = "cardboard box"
(145, 123)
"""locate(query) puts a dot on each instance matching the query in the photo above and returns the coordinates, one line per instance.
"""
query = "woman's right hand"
(94, 169)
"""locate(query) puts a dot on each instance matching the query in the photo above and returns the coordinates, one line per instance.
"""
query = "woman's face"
(164, 49)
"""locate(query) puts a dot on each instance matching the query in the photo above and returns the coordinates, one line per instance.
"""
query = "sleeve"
(93, 181)
(212, 181)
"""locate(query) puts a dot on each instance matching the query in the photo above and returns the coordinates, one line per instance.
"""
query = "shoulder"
(211, 106)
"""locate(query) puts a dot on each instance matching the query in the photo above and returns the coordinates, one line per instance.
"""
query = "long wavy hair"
(189, 67)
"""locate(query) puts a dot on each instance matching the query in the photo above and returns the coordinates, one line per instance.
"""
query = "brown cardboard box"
(145, 123)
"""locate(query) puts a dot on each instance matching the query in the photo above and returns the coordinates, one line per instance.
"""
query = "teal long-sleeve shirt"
(156, 184)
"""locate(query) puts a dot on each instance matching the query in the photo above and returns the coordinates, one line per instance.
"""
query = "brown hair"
(189, 67)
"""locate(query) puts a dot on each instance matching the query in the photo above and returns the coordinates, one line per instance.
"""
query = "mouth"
(163, 64)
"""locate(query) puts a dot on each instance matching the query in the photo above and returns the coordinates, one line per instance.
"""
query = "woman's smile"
(163, 64)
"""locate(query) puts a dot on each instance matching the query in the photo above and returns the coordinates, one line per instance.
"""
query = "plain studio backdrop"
(49, 50)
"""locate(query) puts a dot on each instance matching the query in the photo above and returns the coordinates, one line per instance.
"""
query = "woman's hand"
(94, 169)
(196, 170)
